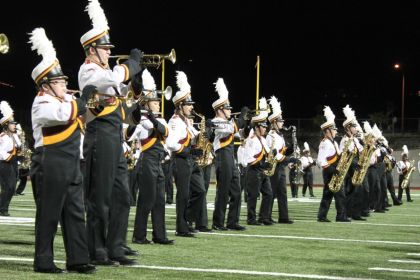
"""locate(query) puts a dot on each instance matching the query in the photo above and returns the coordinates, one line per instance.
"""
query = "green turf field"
(304, 250)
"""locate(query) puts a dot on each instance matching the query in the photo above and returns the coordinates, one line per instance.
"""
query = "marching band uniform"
(242, 168)
(106, 168)
(388, 173)
(402, 168)
(9, 145)
(55, 168)
(275, 141)
(23, 172)
(256, 150)
(168, 171)
(151, 132)
(293, 172)
(374, 178)
(328, 154)
(191, 203)
(308, 177)
(228, 189)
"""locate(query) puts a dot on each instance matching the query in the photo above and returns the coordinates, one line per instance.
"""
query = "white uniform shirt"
(145, 129)
(279, 144)
(403, 166)
(306, 161)
(255, 149)
(374, 157)
(50, 111)
(223, 132)
(328, 153)
(8, 146)
(241, 156)
(354, 144)
(180, 134)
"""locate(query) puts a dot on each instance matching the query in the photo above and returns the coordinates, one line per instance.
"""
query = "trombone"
(152, 60)
(4, 43)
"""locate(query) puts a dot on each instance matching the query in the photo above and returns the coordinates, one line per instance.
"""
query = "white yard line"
(404, 261)
(393, 269)
(413, 254)
(216, 270)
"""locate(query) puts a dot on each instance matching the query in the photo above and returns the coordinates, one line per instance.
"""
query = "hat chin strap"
(55, 94)
(100, 58)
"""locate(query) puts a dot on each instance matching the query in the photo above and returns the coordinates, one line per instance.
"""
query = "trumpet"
(152, 60)
(130, 100)
(4, 43)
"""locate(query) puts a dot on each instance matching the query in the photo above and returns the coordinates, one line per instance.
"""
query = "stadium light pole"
(398, 67)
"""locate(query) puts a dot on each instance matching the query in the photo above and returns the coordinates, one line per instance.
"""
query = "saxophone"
(364, 160)
(344, 163)
(388, 163)
(407, 175)
(24, 152)
(271, 159)
(131, 158)
(203, 143)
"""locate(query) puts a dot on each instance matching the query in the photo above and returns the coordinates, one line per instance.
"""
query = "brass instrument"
(152, 60)
(407, 175)
(130, 100)
(271, 159)
(364, 160)
(24, 152)
(4, 43)
(252, 112)
(203, 143)
(131, 158)
(389, 163)
(343, 166)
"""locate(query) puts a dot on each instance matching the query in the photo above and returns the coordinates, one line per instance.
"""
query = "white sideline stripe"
(413, 254)
(393, 269)
(404, 261)
(362, 223)
(215, 270)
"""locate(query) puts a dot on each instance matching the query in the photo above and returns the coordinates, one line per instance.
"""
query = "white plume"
(275, 105)
(367, 127)
(376, 132)
(97, 15)
(305, 146)
(182, 82)
(18, 127)
(262, 104)
(148, 81)
(358, 127)
(42, 45)
(404, 150)
(5, 109)
(349, 113)
(221, 89)
(329, 115)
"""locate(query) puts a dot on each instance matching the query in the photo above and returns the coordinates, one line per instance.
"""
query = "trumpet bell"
(167, 93)
(171, 56)
(4, 43)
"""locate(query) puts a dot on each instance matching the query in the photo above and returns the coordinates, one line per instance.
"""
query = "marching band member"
(390, 164)
(23, 171)
(55, 169)
(328, 154)
(307, 164)
(9, 146)
(256, 150)
(375, 175)
(242, 167)
(402, 167)
(151, 132)
(276, 143)
(191, 194)
(294, 184)
(228, 189)
(106, 168)
(168, 171)
(353, 194)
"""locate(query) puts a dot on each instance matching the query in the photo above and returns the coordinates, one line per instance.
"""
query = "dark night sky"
(312, 54)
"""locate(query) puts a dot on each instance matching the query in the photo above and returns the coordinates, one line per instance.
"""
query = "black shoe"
(253, 223)
(365, 214)
(271, 220)
(281, 221)
(104, 262)
(82, 268)
(410, 200)
(204, 229)
(130, 252)
(388, 205)
(344, 220)
(267, 223)
(222, 228)
(54, 270)
(184, 234)
(397, 202)
(192, 230)
(125, 261)
(169, 202)
(141, 241)
(312, 196)
(379, 211)
(165, 241)
(385, 209)
(236, 227)
(358, 218)
(4, 213)
(324, 220)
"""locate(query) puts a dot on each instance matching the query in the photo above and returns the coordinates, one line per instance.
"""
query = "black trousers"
(293, 187)
(400, 190)
(308, 182)
(242, 174)
(58, 193)
(206, 176)
(228, 189)
(23, 178)
(328, 195)
(279, 189)
(169, 185)
(108, 195)
(258, 182)
(8, 178)
(374, 187)
(191, 194)
(390, 186)
(151, 197)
